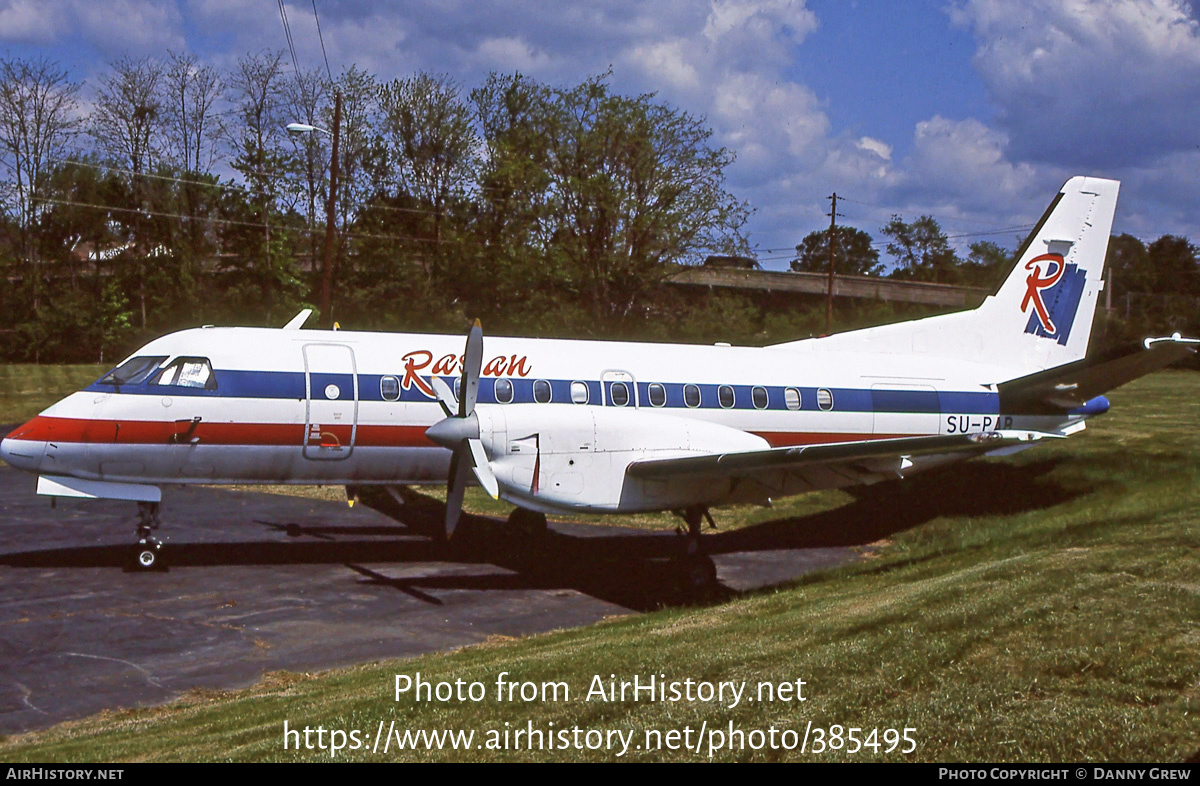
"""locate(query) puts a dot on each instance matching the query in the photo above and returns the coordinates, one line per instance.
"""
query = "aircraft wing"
(859, 458)
(1070, 386)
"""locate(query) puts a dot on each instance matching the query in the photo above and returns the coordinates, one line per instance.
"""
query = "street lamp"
(305, 128)
(325, 293)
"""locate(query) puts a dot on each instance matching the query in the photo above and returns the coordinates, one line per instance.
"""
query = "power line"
(892, 210)
(185, 181)
(234, 222)
(321, 38)
(287, 31)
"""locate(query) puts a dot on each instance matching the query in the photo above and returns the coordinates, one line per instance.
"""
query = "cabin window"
(389, 388)
(759, 396)
(541, 391)
(791, 398)
(658, 395)
(504, 391)
(132, 371)
(824, 399)
(188, 373)
(579, 392)
(691, 395)
(618, 392)
(725, 396)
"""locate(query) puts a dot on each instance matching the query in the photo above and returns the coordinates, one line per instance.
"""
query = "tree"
(37, 123)
(307, 93)
(853, 253)
(126, 123)
(255, 88)
(1128, 265)
(432, 144)
(128, 117)
(985, 266)
(921, 250)
(512, 224)
(191, 123)
(635, 186)
(1174, 261)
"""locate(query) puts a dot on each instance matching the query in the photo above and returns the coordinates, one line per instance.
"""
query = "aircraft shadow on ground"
(637, 570)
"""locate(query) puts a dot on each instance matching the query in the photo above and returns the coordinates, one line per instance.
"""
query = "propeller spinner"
(459, 431)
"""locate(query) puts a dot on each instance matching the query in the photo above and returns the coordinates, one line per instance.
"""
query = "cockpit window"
(188, 373)
(132, 371)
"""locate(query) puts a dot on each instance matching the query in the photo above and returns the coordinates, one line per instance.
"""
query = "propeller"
(459, 431)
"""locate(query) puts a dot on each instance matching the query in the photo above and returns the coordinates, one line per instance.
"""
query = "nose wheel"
(148, 552)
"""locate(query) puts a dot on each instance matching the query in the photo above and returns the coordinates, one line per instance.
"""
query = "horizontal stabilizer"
(744, 463)
(1071, 386)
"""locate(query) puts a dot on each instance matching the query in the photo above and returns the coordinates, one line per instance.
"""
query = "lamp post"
(325, 291)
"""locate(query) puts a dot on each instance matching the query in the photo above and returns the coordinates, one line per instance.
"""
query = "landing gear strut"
(147, 555)
(696, 571)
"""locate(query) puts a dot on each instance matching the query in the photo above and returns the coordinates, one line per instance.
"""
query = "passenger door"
(331, 391)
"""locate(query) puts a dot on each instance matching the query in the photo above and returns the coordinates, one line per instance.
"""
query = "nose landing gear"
(147, 555)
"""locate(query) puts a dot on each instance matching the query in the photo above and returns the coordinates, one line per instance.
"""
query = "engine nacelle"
(561, 457)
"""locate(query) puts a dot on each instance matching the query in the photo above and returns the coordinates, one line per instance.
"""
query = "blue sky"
(974, 111)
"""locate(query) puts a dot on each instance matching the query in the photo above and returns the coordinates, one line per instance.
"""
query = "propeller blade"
(483, 470)
(460, 468)
(472, 363)
(445, 396)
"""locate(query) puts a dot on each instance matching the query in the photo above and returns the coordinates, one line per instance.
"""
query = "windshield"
(132, 371)
(188, 373)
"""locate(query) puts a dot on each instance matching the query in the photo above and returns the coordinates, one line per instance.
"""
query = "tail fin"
(1041, 316)
(1043, 311)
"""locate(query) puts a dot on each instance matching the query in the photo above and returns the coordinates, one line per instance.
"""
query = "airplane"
(565, 426)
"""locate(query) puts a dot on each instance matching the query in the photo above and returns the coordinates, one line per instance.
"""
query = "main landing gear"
(527, 523)
(695, 571)
(147, 555)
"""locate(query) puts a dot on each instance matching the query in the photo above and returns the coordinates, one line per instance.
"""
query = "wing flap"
(872, 456)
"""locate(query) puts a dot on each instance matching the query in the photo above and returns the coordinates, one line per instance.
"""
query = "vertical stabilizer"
(1042, 314)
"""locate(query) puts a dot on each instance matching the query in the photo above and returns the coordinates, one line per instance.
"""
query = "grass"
(26, 389)
(1044, 607)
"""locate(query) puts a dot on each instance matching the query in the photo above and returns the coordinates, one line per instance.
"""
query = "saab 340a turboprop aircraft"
(557, 426)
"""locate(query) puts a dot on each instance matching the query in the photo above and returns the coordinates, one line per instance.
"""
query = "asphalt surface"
(262, 582)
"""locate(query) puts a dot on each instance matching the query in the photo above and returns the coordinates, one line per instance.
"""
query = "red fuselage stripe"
(148, 432)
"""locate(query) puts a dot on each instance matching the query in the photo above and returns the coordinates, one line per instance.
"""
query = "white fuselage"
(560, 419)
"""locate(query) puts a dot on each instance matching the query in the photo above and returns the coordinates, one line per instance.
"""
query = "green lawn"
(27, 389)
(1043, 607)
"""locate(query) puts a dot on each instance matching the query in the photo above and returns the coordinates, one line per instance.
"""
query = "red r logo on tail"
(1035, 283)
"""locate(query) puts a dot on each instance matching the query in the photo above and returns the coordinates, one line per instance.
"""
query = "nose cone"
(22, 453)
(450, 433)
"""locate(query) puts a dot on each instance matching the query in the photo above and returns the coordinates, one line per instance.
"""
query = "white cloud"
(131, 27)
(667, 61)
(876, 146)
(32, 21)
(1090, 82)
(965, 160)
(769, 123)
(115, 28)
(511, 53)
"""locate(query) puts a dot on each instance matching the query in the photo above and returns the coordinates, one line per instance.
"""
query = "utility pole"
(325, 295)
(832, 239)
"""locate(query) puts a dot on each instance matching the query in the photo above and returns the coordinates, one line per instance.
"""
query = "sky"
(973, 111)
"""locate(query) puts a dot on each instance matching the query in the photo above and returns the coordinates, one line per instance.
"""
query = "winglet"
(296, 322)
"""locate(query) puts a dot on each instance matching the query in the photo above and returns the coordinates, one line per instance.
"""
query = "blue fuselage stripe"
(232, 383)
